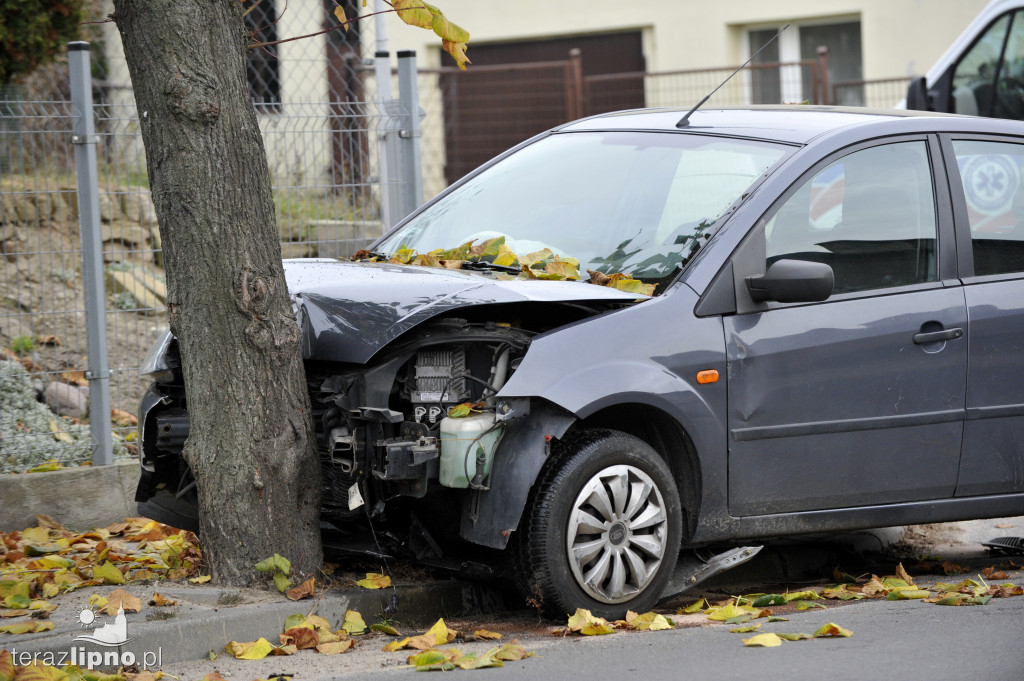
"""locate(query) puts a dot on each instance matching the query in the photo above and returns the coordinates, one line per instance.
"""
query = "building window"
(800, 43)
(263, 66)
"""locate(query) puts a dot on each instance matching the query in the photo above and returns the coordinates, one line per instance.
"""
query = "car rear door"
(857, 400)
(988, 206)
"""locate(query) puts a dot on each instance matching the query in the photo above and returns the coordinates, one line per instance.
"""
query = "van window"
(989, 80)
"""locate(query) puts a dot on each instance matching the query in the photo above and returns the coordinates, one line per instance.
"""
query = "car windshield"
(637, 203)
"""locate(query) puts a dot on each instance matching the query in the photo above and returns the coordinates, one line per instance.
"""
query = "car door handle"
(937, 336)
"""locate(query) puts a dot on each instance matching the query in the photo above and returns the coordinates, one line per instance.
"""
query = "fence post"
(382, 68)
(576, 107)
(84, 140)
(411, 168)
(402, 176)
(823, 70)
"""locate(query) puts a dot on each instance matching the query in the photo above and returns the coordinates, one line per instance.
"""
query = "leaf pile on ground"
(585, 623)
(898, 587)
(772, 639)
(543, 264)
(42, 562)
(739, 611)
(312, 632)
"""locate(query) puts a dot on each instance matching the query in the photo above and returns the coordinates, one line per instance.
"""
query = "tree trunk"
(251, 445)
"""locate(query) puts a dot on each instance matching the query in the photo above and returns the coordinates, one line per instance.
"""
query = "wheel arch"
(667, 437)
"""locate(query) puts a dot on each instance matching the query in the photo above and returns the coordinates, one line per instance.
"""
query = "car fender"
(576, 376)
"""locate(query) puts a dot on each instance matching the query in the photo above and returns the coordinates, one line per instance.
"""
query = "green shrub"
(34, 32)
(22, 345)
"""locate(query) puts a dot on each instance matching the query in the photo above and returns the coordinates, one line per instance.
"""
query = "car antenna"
(685, 120)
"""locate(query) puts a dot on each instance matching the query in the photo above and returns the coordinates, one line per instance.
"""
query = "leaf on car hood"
(622, 282)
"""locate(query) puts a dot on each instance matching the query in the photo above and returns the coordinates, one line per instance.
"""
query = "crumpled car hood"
(348, 311)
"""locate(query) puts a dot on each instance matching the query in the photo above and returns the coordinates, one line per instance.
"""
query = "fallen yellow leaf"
(353, 623)
(108, 573)
(335, 647)
(763, 641)
(161, 600)
(374, 580)
(253, 650)
(832, 629)
(119, 598)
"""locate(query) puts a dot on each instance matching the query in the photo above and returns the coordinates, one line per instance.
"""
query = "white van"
(982, 72)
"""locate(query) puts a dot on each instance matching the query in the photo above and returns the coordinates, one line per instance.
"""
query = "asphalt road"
(905, 640)
(908, 641)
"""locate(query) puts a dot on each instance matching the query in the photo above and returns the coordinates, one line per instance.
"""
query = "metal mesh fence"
(882, 93)
(476, 114)
(756, 84)
(41, 297)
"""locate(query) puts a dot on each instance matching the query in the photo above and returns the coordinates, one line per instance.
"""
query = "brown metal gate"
(489, 108)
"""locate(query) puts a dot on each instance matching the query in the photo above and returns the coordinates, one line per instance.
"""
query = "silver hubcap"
(617, 533)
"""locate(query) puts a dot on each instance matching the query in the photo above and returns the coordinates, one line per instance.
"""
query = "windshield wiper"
(490, 266)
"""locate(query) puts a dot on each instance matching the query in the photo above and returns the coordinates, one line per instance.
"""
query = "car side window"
(870, 216)
(991, 173)
(989, 80)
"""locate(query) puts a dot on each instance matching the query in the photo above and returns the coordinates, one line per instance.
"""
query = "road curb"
(200, 625)
(79, 498)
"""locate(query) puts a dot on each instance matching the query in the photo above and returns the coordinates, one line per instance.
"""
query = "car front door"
(989, 207)
(857, 400)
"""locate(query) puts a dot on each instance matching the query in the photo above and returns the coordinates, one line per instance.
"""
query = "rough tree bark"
(251, 444)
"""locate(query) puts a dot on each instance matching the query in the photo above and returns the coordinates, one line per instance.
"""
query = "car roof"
(795, 124)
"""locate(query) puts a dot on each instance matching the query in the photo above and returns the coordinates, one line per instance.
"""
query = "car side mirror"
(917, 95)
(792, 281)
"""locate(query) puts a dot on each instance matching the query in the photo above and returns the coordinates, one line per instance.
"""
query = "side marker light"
(707, 376)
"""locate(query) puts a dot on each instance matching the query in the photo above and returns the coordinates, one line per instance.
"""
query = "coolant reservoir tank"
(463, 441)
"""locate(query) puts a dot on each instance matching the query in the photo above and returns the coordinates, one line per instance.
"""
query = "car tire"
(602, 528)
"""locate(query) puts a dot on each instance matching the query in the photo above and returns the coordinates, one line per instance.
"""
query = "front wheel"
(603, 527)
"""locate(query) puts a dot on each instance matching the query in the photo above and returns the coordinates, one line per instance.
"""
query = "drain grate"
(1005, 545)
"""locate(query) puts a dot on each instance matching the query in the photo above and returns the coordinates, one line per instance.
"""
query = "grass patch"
(230, 598)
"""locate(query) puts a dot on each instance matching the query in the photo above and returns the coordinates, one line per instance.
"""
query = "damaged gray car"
(609, 362)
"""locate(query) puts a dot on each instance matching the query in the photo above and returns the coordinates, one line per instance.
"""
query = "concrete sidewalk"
(206, 617)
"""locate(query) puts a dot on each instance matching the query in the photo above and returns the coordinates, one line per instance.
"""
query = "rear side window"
(991, 173)
(870, 216)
